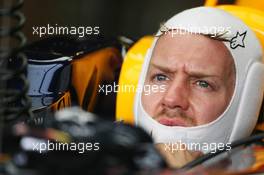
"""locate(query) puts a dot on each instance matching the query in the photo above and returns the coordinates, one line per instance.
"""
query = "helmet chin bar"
(199, 136)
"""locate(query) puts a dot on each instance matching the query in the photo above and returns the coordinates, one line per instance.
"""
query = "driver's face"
(198, 75)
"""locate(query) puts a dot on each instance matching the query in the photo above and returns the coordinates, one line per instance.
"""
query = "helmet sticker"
(238, 40)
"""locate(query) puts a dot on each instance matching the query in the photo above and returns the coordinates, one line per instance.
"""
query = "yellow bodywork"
(256, 4)
(129, 76)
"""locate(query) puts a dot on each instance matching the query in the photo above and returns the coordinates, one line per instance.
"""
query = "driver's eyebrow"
(162, 68)
(197, 73)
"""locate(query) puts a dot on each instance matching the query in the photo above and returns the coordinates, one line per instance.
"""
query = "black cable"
(244, 141)
(16, 6)
(14, 85)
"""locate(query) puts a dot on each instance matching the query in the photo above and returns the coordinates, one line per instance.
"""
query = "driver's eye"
(160, 77)
(203, 84)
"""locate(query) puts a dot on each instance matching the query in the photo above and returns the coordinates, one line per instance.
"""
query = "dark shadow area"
(133, 19)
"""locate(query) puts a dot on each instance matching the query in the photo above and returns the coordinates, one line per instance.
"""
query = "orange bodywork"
(64, 101)
(91, 70)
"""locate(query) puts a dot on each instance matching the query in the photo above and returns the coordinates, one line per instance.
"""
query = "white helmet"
(240, 117)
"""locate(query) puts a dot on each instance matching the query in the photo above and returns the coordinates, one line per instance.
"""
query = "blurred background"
(133, 19)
